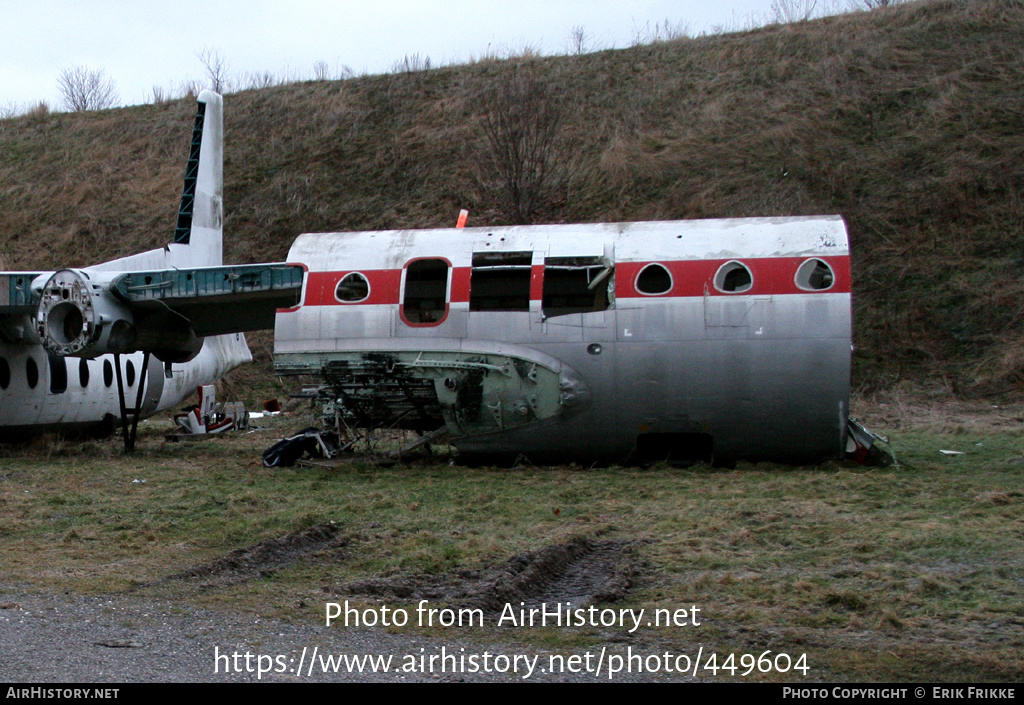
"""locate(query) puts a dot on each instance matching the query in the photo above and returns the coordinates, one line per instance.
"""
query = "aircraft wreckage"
(693, 341)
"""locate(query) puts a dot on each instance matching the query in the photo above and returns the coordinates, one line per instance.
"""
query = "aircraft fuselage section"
(717, 339)
(44, 392)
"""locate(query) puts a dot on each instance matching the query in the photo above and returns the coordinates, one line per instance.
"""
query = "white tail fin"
(201, 211)
(198, 235)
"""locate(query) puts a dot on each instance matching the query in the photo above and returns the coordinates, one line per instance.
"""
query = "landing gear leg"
(130, 427)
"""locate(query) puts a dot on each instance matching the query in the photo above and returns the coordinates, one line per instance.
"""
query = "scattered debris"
(209, 417)
(311, 441)
(951, 452)
(861, 446)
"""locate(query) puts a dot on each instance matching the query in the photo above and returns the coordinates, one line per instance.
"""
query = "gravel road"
(63, 638)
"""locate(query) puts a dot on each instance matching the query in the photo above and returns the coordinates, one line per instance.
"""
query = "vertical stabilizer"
(198, 235)
(200, 213)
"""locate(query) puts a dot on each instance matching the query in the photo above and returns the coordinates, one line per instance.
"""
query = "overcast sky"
(140, 44)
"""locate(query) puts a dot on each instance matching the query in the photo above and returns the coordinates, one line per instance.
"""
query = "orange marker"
(463, 217)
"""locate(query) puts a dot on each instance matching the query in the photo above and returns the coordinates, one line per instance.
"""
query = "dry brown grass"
(902, 574)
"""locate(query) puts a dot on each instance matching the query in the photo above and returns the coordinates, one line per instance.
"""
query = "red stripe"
(771, 275)
(384, 287)
(460, 283)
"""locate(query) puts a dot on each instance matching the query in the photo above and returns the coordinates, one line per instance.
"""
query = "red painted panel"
(384, 285)
(460, 284)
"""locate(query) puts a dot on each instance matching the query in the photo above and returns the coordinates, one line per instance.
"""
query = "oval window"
(653, 280)
(353, 288)
(814, 275)
(83, 372)
(733, 278)
(58, 374)
(129, 368)
(108, 373)
(31, 373)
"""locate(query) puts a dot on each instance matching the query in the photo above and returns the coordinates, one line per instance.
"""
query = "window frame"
(403, 304)
(649, 265)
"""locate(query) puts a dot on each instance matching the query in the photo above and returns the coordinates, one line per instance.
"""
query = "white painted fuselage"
(704, 340)
(40, 392)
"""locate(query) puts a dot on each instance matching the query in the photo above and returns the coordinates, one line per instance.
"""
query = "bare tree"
(82, 88)
(789, 11)
(411, 63)
(189, 88)
(871, 4)
(321, 72)
(260, 79)
(216, 69)
(522, 124)
(579, 40)
(665, 31)
(39, 109)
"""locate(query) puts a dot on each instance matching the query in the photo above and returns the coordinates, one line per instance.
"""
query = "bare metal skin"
(709, 340)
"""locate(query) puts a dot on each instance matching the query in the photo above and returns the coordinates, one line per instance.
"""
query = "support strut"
(130, 426)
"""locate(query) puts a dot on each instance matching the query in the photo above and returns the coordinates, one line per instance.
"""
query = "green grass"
(906, 573)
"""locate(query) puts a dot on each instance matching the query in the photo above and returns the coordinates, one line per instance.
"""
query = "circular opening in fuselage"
(64, 323)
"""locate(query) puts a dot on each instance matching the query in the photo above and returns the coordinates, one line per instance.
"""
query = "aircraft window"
(426, 291)
(129, 369)
(500, 281)
(108, 373)
(5, 373)
(814, 275)
(31, 373)
(353, 288)
(733, 278)
(83, 372)
(654, 279)
(58, 374)
(576, 285)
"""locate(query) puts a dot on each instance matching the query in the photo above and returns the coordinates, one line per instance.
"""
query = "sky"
(142, 44)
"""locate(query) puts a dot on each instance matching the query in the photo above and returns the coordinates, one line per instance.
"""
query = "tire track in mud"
(262, 559)
(581, 572)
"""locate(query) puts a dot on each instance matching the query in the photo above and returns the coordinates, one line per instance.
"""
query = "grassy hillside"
(908, 121)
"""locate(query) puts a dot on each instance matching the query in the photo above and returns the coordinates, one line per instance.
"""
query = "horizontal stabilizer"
(215, 300)
(16, 295)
